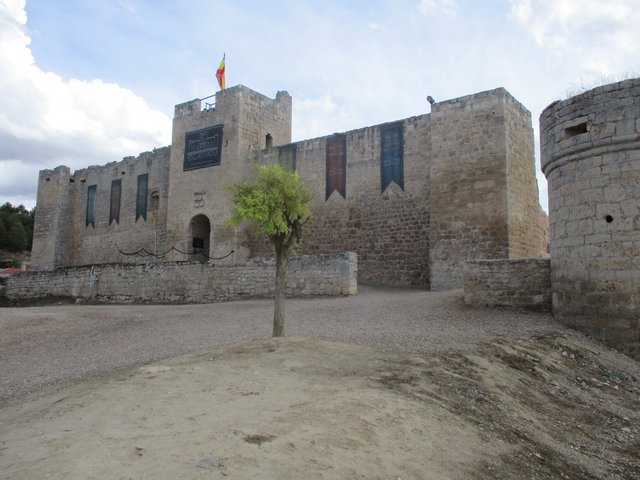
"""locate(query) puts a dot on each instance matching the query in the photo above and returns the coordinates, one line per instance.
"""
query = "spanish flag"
(220, 73)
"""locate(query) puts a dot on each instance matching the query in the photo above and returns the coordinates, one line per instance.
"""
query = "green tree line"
(16, 227)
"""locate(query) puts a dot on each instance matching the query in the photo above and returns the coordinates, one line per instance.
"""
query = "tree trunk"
(282, 260)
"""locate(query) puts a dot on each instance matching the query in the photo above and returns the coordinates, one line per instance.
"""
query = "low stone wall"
(520, 284)
(186, 282)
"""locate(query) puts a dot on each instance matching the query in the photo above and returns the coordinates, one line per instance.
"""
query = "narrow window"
(114, 206)
(268, 141)
(91, 200)
(141, 197)
(575, 130)
(155, 202)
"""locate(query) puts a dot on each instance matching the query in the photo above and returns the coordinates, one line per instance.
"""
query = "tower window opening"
(268, 141)
(575, 130)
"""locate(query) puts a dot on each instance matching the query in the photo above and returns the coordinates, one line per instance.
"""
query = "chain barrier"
(143, 252)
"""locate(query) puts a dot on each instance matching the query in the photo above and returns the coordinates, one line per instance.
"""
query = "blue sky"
(86, 82)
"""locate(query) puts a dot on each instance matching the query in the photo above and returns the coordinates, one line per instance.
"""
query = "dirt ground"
(549, 406)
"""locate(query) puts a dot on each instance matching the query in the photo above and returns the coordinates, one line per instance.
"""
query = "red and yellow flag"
(220, 73)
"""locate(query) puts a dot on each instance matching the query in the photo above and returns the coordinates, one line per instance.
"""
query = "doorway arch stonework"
(200, 237)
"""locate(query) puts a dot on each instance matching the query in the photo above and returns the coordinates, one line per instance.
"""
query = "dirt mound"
(547, 407)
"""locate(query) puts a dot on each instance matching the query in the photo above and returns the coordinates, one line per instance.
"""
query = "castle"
(414, 198)
(438, 201)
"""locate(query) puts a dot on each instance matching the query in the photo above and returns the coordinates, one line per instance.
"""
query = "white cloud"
(312, 116)
(127, 5)
(13, 9)
(46, 120)
(448, 7)
(600, 37)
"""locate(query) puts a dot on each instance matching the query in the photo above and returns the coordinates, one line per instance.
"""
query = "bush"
(16, 228)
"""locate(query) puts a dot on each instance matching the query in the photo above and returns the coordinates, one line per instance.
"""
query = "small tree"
(277, 204)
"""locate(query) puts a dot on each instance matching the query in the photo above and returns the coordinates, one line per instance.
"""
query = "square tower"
(212, 147)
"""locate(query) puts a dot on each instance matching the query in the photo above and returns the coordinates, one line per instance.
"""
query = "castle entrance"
(200, 233)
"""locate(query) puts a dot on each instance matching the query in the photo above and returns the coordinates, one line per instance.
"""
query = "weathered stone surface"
(468, 192)
(483, 196)
(519, 284)
(174, 196)
(590, 147)
(188, 282)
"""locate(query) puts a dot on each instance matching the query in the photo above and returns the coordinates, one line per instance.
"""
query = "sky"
(87, 82)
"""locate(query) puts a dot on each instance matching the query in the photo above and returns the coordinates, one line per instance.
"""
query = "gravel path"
(45, 347)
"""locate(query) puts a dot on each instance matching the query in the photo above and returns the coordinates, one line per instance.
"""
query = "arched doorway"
(200, 232)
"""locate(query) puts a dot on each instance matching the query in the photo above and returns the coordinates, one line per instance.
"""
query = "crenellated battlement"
(415, 198)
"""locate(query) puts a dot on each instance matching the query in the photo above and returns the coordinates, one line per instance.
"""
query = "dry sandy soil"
(545, 406)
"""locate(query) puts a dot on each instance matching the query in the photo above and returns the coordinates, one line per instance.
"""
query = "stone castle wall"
(247, 118)
(179, 282)
(62, 234)
(469, 191)
(53, 213)
(523, 284)
(63, 237)
(527, 222)
(414, 198)
(389, 230)
(590, 148)
(103, 242)
(484, 196)
(468, 202)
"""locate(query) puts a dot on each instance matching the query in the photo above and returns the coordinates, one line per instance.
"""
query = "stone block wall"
(389, 230)
(465, 189)
(527, 222)
(54, 212)
(519, 284)
(469, 192)
(590, 148)
(62, 236)
(182, 282)
(247, 117)
(103, 242)
(468, 195)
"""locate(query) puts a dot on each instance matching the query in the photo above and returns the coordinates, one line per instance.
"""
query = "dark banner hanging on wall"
(114, 205)
(287, 156)
(91, 201)
(202, 148)
(391, 155)
(337, 165)
(141, 196)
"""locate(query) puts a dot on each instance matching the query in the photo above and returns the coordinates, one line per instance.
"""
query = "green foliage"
(16, 228)
(276, 203)
(16, 235)
(3, 234)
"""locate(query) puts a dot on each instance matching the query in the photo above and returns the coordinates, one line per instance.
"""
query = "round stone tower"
(590, 152)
